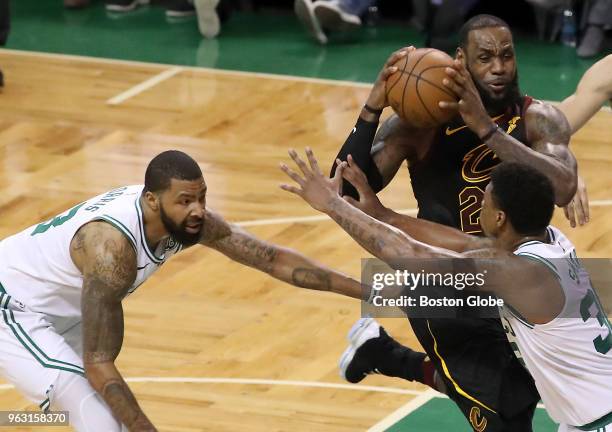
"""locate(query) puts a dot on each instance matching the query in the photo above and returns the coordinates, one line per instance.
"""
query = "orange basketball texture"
(416, 88)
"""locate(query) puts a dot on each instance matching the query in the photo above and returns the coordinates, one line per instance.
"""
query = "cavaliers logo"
(480, 161)
(478, 164)
(477, 420)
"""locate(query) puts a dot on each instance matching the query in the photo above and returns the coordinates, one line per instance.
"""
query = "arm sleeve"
(359, 146)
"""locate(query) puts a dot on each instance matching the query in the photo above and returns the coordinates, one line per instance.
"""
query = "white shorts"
(568, 428)
(47, 368)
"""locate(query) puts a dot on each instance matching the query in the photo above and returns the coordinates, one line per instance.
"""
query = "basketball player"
(594, 89)
(551, 313)
(62, 283)
(450, 166)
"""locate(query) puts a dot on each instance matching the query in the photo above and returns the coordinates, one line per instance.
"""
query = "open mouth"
(498, 87)
(193, 228)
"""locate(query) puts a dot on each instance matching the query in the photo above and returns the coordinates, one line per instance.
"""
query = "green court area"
(442, 415)
(268, 41)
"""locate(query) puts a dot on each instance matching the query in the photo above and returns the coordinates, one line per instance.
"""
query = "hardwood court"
(202, 316)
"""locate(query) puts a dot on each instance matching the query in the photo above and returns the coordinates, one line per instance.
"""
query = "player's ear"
(500, 218)
(460, 55)
(152, 200)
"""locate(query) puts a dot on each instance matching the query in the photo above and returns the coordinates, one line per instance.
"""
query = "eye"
(483, 58)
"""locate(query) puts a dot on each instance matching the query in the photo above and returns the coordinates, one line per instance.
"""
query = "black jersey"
(449, 182)
(479, 368)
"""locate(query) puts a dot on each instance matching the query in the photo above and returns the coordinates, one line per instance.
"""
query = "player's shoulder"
(543, 119)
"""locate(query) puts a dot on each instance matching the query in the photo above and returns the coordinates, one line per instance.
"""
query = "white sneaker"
(208, 19)
(124, 5)
(332, 17)
(304, 9)
(355, 366)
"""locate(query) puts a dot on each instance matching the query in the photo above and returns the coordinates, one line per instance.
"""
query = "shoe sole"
(180, 14)
(126, 8)
(208, 19)
(345, 359)
(333, 19)
(305, 13)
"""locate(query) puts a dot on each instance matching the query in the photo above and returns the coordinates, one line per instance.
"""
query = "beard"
(498, 104)
(179, 231)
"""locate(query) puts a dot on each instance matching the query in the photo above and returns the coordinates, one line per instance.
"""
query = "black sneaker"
(124, 5)
(180, 9)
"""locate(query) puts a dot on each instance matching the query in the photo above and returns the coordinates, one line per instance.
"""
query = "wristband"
(489, 134)
(371, 110)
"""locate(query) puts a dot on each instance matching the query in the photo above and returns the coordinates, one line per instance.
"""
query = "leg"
(372, 350)
(599, 16)
(88, 411)
(341, 15)
(304, 9)
(46, 370)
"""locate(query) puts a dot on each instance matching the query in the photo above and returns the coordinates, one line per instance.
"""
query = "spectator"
(598, 15)
(210, 13)
(322, 16)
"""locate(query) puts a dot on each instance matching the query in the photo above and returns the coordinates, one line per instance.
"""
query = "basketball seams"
(418, 93)
(410, 75)
(443, 89)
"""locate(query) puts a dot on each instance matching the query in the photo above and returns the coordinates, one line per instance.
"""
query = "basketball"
(416, 88)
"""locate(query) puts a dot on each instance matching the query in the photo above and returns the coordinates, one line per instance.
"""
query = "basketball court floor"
(211, 345)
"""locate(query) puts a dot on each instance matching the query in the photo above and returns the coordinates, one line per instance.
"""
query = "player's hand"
(315, 188)
(578, 208)
(378, 95)
(368, 201)
(470, 105)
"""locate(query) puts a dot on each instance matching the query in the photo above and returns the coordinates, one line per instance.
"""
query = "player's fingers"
(312, 160)
(566, 213)
(449, 105)
(396, 56)
(388, 71)
(340, 168)
(294, 176)
(355, 168)
(453, 85)
(572, 214)
(584, 199)
(291, 189)
(300, 163)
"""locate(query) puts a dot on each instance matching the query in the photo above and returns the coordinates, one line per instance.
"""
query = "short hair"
(478, 22)
(525, 195)
(171, 164)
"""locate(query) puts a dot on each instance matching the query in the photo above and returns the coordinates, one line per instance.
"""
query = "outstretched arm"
(547, 131)
(279, 262)
(527, 286)
(422, 230)
(107, 261)
(594, 89)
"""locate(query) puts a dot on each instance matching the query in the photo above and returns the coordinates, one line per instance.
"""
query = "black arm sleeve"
(359, 146)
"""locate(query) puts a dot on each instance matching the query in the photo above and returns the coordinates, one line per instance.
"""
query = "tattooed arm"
(107, 261)
(279, 262)
(549, 134)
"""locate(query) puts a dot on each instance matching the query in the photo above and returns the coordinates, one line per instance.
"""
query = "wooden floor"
(60, 143)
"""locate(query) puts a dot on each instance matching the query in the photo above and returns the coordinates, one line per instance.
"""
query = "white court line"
(342, 83)
(143, 86)
(269, 382)
(404, 410)
(298, 219)
(323, 217)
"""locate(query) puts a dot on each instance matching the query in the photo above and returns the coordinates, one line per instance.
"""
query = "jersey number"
(602, 345)
(57, 221)
(470, 203)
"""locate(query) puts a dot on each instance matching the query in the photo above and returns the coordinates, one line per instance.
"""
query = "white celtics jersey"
(36, 267)
(570, 357)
